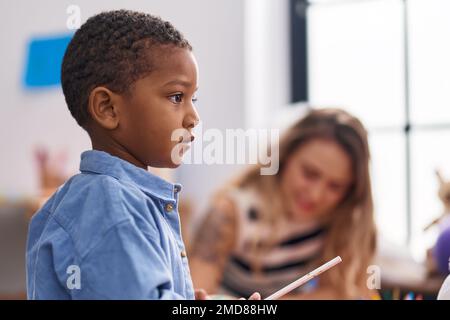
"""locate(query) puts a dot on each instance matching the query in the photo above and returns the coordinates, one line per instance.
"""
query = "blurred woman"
(263, 232)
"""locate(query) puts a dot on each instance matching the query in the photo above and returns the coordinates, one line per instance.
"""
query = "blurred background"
(261, 62)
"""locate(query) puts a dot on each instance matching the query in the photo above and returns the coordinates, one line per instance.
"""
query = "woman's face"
(315, 179)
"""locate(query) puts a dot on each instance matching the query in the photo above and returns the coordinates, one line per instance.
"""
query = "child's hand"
(201, 294)
(254, 296)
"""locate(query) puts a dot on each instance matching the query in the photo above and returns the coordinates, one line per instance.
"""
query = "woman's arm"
(213, 244)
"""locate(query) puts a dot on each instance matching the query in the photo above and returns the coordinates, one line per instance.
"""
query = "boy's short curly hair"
(111, 49)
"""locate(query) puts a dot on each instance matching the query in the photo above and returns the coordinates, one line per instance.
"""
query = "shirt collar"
(101, 162)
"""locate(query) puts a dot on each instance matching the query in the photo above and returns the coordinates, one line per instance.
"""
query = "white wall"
(267, 60)
(215, 28)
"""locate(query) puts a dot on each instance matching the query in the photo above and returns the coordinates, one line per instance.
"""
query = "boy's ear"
(102, 107)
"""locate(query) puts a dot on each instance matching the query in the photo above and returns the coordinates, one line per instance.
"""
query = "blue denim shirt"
(110, 232)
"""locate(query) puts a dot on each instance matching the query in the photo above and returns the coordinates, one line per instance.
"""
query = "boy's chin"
(172, 165)
(166, 165)
(166, 162)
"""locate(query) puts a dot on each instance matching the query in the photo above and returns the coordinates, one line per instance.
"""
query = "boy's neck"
(122, 154)
(116, 149)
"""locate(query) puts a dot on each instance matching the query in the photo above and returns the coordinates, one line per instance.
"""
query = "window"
(387, 62)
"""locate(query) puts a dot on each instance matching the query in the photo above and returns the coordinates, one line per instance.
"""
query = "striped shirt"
(292, 254)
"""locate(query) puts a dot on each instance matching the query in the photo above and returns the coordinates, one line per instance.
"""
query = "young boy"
(113, 231)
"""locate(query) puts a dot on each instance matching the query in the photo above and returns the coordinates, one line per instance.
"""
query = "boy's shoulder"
(89, 205)
(100, 195)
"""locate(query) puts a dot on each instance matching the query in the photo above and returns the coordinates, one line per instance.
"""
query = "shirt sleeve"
(126, 265)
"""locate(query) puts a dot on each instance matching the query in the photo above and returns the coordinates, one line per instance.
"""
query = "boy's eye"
(176, 98)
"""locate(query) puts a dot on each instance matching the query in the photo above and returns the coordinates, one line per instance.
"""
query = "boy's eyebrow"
(179, 82)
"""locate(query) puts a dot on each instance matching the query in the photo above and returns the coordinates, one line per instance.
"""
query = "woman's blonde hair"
(351, 230)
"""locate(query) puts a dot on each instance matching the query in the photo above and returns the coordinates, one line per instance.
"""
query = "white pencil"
(297, 283)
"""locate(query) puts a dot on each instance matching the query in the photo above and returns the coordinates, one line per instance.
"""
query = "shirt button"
(169, 207)
(177, 189)
(183, 254)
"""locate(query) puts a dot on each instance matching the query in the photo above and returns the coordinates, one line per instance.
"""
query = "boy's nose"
(192, 118)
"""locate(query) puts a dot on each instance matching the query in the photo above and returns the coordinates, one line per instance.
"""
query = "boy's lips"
(185, 142)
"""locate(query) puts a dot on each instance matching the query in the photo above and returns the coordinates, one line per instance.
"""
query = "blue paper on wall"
(44, 58)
